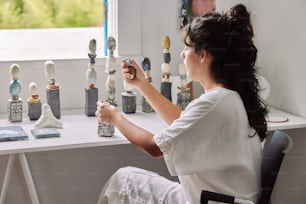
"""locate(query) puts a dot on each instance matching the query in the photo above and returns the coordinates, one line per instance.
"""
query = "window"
(124, 25)
(50, 29)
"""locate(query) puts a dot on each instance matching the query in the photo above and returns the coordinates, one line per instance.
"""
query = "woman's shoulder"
(217, 93)
(210, 98)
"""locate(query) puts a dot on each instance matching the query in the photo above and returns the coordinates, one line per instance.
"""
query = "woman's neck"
(210, 84)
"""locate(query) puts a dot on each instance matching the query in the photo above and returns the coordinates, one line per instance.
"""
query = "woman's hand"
(139, 78)
(106, 113)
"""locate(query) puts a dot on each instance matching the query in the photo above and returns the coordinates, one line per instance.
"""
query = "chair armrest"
(218, 197)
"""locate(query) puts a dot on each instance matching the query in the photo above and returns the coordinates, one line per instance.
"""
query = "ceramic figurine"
(111, 70)
(184, 96)
(15, 103)
(166, 83)
(53, 89)
(47, 119)
(146, 66)
(129, 97)
(91, 92)
(34, 104)
(106, 129)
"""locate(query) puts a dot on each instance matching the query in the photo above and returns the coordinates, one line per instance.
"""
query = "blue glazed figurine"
(146, 66)
(15, 103)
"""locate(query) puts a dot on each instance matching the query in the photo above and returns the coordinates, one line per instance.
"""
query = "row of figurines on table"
(49, 114)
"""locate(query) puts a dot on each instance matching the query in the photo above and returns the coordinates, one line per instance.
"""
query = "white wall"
(280, 30)
(281, 39)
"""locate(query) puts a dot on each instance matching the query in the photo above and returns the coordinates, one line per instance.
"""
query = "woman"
(215, 143)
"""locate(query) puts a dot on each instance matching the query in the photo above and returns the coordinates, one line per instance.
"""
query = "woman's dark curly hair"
(229, 39)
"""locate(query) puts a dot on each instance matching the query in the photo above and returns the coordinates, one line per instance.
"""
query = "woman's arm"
(161, 105)
(135, 134)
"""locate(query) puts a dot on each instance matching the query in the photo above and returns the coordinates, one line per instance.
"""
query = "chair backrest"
(273, 155)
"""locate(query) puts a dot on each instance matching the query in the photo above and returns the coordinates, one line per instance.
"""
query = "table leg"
(28, 178)
(7, 178)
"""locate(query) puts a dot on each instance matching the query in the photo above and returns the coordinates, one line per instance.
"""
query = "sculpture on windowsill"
(184, 96)
(91, 92)
(146, 66)
(129, 97)
(15, 103)
(107, 129)
(47, 119)
(34, 104)
(111, 70)
(53, 89)
(166, 83)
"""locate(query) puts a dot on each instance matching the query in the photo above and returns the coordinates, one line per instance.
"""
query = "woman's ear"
(203, 56)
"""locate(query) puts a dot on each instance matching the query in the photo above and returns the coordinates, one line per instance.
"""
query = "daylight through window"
(49, 29)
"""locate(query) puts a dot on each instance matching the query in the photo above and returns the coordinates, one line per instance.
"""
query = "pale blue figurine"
(15, 87)
(15, 103)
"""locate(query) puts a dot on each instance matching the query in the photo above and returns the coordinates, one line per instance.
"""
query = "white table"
(80, 131)
(294, 122)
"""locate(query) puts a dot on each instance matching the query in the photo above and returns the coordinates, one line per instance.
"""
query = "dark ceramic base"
(91, 98)
(53, 99)
(128, 102)
(165, 88)
(34, 110)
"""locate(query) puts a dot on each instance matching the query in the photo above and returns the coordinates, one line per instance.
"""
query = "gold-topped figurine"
(34, 104)
(166, 83)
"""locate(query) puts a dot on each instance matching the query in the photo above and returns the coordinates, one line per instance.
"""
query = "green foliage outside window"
(16, 14)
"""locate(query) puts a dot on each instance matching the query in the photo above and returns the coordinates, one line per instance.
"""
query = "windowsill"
(49, 44)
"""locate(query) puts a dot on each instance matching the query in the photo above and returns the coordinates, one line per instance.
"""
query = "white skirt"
(131, 185)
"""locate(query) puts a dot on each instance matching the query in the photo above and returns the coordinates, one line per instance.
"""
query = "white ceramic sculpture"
(91, 74)
(110, 69)
(47, 119)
